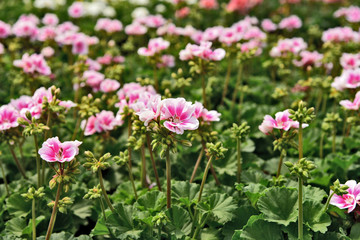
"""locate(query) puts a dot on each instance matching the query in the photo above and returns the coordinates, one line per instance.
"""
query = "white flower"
(139, 12)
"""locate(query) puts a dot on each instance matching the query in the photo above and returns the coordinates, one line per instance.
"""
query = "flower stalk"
(168, 179)
(153, 161)
(107, 200)
(54, 212)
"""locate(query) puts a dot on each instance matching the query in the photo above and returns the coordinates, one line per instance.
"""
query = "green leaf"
(15, 226)
(315, 217)
(28, 229)
(180, 221)
(17, 206)
(254, 191)
(210, 234)
(152, 201)
(220, 205)
(82, 209)
(355, 232)
(253, 176)
(292, 232)
(100, 228)
(58, 236)
(279, 205)
(257, 228)
(121, 223)
(185, 192)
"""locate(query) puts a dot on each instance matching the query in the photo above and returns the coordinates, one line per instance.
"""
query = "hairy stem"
(143, 167)
(239, 167)
(237, 85)
(20, 168)
(334, 139)
(131, 177)
(328, 201)
(33, 220)
(280, 164)
(204, 178)
(227, 80)
(39, 183)
(107, 200)
(102, 207)
(197, 165)
(322, 145)
(53, 214)
(300, 220)
(148, 141)
(168, 179)
(4, 177)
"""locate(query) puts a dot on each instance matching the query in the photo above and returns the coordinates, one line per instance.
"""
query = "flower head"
(53, 150)
(348, 200)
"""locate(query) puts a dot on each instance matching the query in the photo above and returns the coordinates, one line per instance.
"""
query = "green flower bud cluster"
(201, 67)
(285, 141)
(88, 106)
(135, 143)
(240, 132)
(322, 82)
(165, 140)
(63, 204)
(215, 150)
(32, 193)
(79, 66)
(325, 126)
(315, 31)
(94, 193)
(122, 159)
(95, 164)
(339, 189)
(303, 114)
(138, 128)
(302, 168)
(180, 80)
(278, 181)
(53, 106)
(160, 219)
(67, 177)
(203, 133)
(145, 81)
(279, 92)
(332, 118)
(114, 72)
(31, 126)
(243, 56)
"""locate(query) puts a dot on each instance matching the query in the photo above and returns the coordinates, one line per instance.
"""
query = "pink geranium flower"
(208, 4)
(109, 85)
(108, 25)
(135, 29)
(155, 45)
(5, 29)
(282, 121)
(76, 10)
(8, 117)
(340, 34)
(103, 121)
(348, 79)
(350, 61)
(34, 63)
(178, 115)
(50, 19)
(290, 23)
(93, 79)
(287, 46)
(268, 25)
(309, 59)
(53, 150)
(203, 51)
(348, 200)
(207, 116)
(150, 110)
(352, 105)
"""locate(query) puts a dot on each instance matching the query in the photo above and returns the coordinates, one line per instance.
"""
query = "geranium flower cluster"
(350, 200)
(351, 105)
(282, 121)
(101, 122)
(95, 8)
(53, 150)
(97, 82)
(242, 5)
(33, 64)
(340, 34)
(203, 51)
(33, 104)
(309, 59)
(351, 14)
(349, 78)
(108, 25)
(288, 46)
(350, 61)
(290, 23)
(155, 45)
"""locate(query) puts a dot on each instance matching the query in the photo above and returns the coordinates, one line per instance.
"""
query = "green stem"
(334, 139)
(300, 220)
(107, 200)
(237, 85)
(83, 132)
(203, 85)
(77, 126)
(239, 167)
(156, 80)
(199, 227)
(159, 232)
(53, 214)
(168, 179)
(328, 201)
(197, 165)
(143, 167)
(131, 177)
(20, 168)
(153, 161)
(102, 208)
(322, 145)
(39, 183)
(45, 138)
(4, 177)
(227, 80)
(33, 220)
(204, 178)
(300, 141)
(280, 164)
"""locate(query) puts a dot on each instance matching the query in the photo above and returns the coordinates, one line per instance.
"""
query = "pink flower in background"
(352, 105)
(242, 5)
(47, 52)
(33, 64)
(105, 60)
(67, 104)
(53, 150)
(93, 65)
(350, 61)
(182, 12)
(80, 44)
(76, 10)
(93, 79)
(166, 61)
(210, 116)
(287, 46)
(103, 121)
(150, 110)
(8, 117)
(254, 33)
(252, 44)
(135, 29)
(229, 36)
(282, 121)
(203, 51)
(40, 93)
(50, 19)
(5, 29)
(23, 28)
(351, 14)
(155, 45)
(268, 25)
(109, 85)
(348, 79)
(208, 4)
(108, 25)
(46, 33)
(309, 59)
(340, 34)
(348, 200)
(67, 27)
(212, 33)
(178, 115)
(290, 23)
(152, 21)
